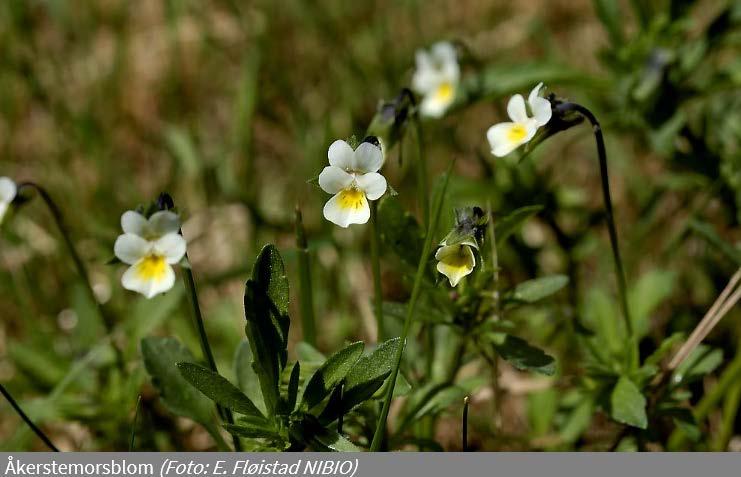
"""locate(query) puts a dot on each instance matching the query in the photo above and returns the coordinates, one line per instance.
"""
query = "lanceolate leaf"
(219, 389)
(266, 310)
(534, 290)
(293, 387)
(369, 374)
(507, 225)
(161, 356)
(522, 355)
(330, 374)
(627, 404)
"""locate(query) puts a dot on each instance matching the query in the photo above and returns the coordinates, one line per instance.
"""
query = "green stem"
(612, 230)
(730, 411)
(27, 419)
(80, 267)
(416, 290)
(375, 244)
(133, 424)
(306, 301)
(190, 287)
(497, 305)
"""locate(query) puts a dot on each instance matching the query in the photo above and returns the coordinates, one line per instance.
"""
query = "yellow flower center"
(151, 267)
(444, 92)
(517, 133)
(460, 260)
(352, 199)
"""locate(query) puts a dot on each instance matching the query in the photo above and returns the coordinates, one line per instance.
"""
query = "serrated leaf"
(510, 223)
(330, 374)
(522, 355)
(161, 356)
(536, 289)
(369, 373)
(247, 379)
(266, 311)
(218, 389)
(627, 404)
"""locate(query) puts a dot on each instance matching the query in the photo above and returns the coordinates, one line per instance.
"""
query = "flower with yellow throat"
(455, 261)
(352, 176)
(151, 247)
(508, 136)
(436, 78)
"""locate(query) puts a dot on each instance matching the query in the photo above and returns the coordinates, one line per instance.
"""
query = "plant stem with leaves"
(190, 287)
(411, 306)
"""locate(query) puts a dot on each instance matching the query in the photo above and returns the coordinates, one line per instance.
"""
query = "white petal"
(134, 223)
(425, 77)
(506, 137)
(444, 52)
(136, 279)
(332, 179)
(340, 154)
(172, 247)
(541, 109)
(455, 262)
(516, 109)
(130, 248)
(8, 190)
(368, 158)
(534, 93)
(373, 184)
(346, 208)
(163, 222)
(432, 107)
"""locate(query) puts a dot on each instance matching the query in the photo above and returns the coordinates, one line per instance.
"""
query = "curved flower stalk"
(508, 136)
(150, 246)
(352, 176)
(436, 78)
(8, 191)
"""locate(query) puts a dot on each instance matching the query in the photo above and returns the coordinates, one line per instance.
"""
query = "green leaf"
(400, 231)
(703, 360)
(266, 311)
(219, 389)
(161, 356)
(577, 421)
(628, 405)
(308, 354)
(511, 222)
(293, 387)
(711, 236)
(330, 374)
(247, 379)
(328, 440)
(646, 294)
(369, 373)
(536, 289)
(251, 432)
(522, 355)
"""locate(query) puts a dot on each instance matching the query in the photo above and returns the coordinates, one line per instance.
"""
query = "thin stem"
(26, 419)
(80, 267)
(375, 244)
(308, 321)
(465, 424)
(190, 286)
(416, 290)
(133, 424)
(619, 269)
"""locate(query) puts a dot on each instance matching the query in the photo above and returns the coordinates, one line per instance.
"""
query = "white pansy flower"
(506, 137)
(455, 261)
(8, 191)
(150, 246)
(436, 78)
(353, 178)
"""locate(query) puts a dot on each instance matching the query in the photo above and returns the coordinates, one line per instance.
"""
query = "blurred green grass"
(230, 107)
